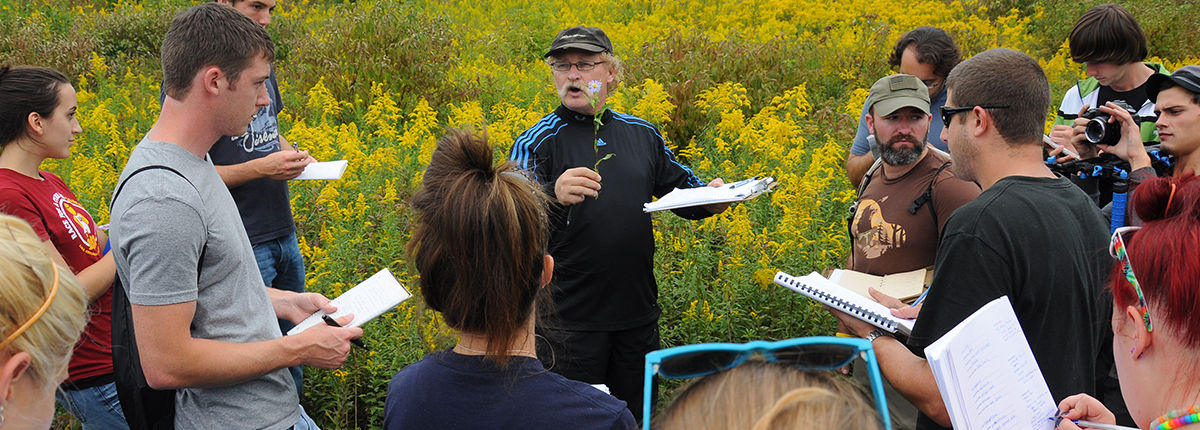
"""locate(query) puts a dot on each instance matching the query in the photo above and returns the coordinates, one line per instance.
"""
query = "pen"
(357, 342)
(1089, 424)
(919, 299)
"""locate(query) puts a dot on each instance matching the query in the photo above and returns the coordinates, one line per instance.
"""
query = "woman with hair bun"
(37, 121)
(42, 313)
(1155, 296)
(480, 247)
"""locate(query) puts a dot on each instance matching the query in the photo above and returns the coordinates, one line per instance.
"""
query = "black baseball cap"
(1187, 77)
(590, 39)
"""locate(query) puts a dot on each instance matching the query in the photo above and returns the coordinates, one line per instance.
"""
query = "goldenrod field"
(738, 88)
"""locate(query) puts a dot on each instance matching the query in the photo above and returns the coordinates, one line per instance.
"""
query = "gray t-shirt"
(162, 224)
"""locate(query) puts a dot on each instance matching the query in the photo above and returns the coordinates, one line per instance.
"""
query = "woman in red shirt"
(37, 121)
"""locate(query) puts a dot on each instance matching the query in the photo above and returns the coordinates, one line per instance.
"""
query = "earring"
(1, 415)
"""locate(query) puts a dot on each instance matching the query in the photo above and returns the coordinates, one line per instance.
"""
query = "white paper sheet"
(324, 170)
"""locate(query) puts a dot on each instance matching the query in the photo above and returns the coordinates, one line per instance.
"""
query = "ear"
(612, 75)
(35, 123)
(870, 119)
(1142, 339)
(210, 80)
(547, 270)
(10, 373)
(982, 122)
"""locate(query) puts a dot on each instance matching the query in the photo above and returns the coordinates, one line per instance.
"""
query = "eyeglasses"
(950, 112)
(1117, 249)
(583, 66)
(929, 83)
(806, 353)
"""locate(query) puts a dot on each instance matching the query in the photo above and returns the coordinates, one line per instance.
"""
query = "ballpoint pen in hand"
(920, 299)
(357, 342)
(1089, 424)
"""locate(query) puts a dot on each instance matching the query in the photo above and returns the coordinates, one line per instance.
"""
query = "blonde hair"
(759, 395)
(27, 276)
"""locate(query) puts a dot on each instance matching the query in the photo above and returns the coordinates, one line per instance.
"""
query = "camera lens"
(1096, 129)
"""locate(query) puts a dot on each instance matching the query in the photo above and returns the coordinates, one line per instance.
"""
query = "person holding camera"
(1109, 41)
(1177, 102)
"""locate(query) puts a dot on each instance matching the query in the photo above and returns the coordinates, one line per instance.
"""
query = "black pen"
(357, 342)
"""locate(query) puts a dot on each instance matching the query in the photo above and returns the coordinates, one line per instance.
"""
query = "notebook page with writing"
(825, 291)
(367, 300)
(987, 374)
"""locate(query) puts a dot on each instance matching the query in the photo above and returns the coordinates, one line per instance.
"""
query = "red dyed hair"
(1163, 255)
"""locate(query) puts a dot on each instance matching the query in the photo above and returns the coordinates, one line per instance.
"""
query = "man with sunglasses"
(605, 296)
(904, 201)
(1030, 235)
(927, 53)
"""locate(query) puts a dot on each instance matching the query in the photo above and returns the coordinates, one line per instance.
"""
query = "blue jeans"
(282, 267)
(95, 407)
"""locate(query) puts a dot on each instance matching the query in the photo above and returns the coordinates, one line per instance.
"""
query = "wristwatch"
(875, 334)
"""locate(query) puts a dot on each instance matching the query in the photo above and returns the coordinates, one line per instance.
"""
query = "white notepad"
(987, 374)
(324, 170)
(838, 297)
(699, 196)
(369, 299)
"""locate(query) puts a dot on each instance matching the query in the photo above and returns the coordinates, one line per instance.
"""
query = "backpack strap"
(145, 408)
(927, 197)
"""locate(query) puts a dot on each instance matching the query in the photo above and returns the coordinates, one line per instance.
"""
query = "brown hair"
(480, 241)
(210, 34)
(26, 90)
(768, 396)
(1004, 76)
(1107, 34)
(933, 45)
(26, 280)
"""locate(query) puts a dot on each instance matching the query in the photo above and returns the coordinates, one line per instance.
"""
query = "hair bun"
(1165, 197)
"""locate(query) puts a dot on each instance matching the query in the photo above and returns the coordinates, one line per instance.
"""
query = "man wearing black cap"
(1176, 100)
(605, 296)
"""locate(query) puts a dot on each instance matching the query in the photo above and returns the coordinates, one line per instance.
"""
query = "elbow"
(161, 379)
(936, 410)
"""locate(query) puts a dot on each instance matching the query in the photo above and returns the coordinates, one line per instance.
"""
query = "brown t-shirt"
(886, 237)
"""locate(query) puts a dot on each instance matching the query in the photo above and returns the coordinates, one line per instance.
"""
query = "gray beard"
(900, 157)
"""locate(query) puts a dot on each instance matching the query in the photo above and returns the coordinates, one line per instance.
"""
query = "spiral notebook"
(836, 296)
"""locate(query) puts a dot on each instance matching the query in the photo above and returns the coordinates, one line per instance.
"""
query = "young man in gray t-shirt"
(206, 324)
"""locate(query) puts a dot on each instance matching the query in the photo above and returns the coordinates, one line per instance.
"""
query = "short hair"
(1168, 84)
(26, 90)
(1004, 76)
(933, 45)
(1107, 34)
(210, 34)
(480, 242)
(26, 279)
(1162, 254)
(768, 396)
(611, 61)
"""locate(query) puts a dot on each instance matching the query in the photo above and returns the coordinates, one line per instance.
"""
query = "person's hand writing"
(1083, 407)
(575, 184)
(1062, 135)
(717, 208)
(283, 165)
(326, 347)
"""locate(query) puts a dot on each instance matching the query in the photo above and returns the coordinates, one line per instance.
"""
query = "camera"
(1101, 132)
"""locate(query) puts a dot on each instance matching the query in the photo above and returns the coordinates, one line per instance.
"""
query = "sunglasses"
(950, 112)
(806, 353)
(1116, 248)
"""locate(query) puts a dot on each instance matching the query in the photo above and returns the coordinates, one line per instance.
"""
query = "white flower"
(593, 87)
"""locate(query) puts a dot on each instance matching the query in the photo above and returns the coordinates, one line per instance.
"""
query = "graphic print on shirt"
(78, 222)
(874, 235)
(262, 135)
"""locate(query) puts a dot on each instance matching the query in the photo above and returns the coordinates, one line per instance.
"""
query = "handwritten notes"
(987, 375)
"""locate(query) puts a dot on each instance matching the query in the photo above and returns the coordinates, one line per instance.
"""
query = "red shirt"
(55, 215)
